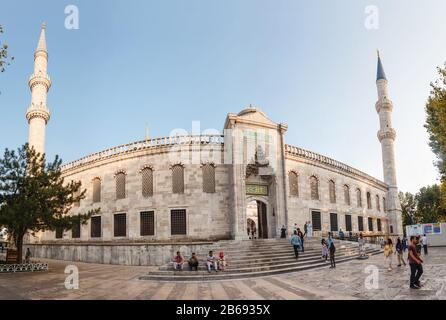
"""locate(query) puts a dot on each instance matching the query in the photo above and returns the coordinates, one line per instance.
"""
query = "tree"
(34, 196)
(4, 58)
(429, 205)
(408, 207)
(436, 126)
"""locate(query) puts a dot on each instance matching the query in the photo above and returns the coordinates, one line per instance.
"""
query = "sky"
(310, 64)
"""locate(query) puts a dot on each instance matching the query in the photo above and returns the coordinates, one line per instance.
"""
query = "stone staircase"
(256, 258)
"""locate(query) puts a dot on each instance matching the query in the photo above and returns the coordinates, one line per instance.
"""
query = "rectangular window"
(147, 223)
(316, 220)
(76, 231)
(360, 223)
(348, 222)
(378, 222)
(59, 233)
(178, 222)
(96, 227)
(370, 224)
(120, 224)
(333, 222)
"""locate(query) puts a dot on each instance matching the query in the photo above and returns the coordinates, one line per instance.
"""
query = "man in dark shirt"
(415, 262)
(301, 235)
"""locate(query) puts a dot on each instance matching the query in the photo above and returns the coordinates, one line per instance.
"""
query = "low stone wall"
(122, 254)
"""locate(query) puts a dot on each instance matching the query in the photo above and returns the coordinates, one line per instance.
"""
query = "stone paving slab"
(347, 281)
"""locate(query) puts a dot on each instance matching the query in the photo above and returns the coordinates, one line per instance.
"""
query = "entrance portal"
(257, 223)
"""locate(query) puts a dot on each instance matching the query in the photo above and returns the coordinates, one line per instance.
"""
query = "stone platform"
(257, 258)
(347, 281)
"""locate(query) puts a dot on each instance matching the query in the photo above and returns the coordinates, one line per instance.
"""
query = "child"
(324, 250)
(221, 261)
(332, 255)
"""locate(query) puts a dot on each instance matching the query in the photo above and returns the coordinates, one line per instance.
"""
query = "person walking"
(424, 244)
(296, 242)
(332, 250)
(27, 255)
(329, 239)
(404, 241)
(388, 253)
(283, 232)
(305, 228)
(301, 235)
(361, 246)
(399, 251)
(324, 250)
(310, 229)
(418, 244)
(415, 263)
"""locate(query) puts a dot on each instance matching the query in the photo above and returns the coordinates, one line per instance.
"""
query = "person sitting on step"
(211, 261)
(193, 262)
(178, 261)
(221, 261)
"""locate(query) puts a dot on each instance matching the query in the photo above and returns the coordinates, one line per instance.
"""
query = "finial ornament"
(377, 52)
(43, 25)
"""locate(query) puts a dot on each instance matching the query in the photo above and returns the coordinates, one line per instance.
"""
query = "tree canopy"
(423, 207)
(436, 126)
(34, 195)
(5, 59)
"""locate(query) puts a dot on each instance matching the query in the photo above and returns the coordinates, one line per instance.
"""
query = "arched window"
(120, 185)
(384, 204)
(293, 182)
(147, 182)
(347, 194)
(378, 206)
(96, 190)
(332, 191)
(314, 188)
(178, 179)
(358, 198)
(208, 171)
(369, 201)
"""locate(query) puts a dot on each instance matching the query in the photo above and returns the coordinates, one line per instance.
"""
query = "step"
(259, 267)
(204, 276)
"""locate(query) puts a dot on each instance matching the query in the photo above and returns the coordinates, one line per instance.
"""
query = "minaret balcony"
(38, 112)
(40, 78)
(384, 104)
(388, 133)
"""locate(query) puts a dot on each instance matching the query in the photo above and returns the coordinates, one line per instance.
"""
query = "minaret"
(39, 83)
(386, 136)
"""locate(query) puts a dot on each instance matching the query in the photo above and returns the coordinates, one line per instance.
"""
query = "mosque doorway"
(257, 223)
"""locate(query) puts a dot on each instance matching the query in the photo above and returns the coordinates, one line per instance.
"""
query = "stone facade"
(259, 163)
(250, 164)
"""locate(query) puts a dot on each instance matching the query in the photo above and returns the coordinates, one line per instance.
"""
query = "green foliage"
(423, 207)
(408, 207)
(436, 126)
(4, 58)
(429, 205)
(34, 196)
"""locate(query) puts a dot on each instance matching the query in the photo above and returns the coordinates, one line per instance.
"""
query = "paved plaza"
(347, 281)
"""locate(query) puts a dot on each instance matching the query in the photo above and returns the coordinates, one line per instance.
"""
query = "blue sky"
(311, 64)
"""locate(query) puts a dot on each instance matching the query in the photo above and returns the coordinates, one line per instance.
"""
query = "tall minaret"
(386, 136)
(39, 83)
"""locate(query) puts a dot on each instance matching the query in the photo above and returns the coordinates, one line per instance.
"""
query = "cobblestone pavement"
(347, 281)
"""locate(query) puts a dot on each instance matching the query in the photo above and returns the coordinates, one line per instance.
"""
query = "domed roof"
(250, 110)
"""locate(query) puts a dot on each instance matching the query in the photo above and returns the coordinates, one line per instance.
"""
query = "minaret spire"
(41, 45)
(39, 83)
(386, 136)
(380, 74)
